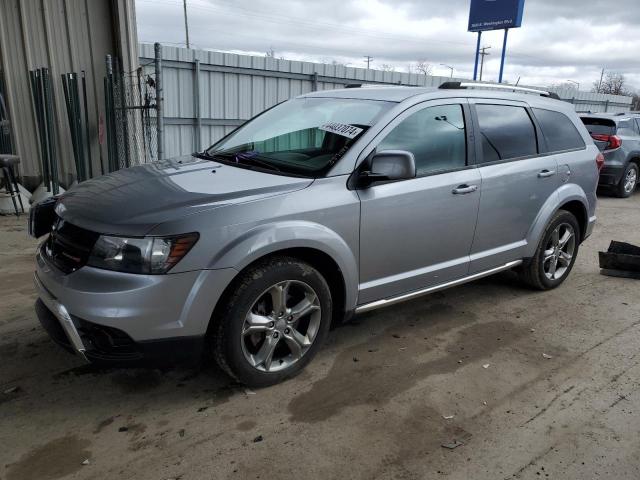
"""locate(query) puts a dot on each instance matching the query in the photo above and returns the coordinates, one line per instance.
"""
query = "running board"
(425, 291)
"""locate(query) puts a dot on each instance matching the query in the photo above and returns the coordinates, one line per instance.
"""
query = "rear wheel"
(628, 182)
(556, 253)
(274, 322)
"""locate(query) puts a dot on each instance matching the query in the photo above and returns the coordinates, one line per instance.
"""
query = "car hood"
(134, 200)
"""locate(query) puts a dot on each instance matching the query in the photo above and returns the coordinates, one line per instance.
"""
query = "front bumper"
(117, 317)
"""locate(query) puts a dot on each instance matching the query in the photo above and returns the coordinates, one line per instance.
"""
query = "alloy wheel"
(281, 326)
(559, 252)
(630, 180)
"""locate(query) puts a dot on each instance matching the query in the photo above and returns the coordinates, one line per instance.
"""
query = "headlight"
(147, 255)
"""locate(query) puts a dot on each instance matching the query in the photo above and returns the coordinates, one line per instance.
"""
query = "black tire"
(620, 190)
(251, 285)
(533, 272)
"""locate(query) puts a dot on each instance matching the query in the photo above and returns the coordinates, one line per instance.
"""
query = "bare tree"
(271, 53)
(613, 84)
(385, 67)
(635, 105)
(423, 67)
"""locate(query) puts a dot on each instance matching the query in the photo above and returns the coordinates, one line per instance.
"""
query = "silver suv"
(333, 203)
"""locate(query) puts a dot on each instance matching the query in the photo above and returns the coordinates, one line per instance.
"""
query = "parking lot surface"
(528, 384)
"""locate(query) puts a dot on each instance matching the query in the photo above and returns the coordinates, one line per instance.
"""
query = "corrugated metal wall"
(234, 88)
(65, 36)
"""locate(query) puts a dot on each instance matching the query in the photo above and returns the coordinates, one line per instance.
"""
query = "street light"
(577, 84)
(449, 67)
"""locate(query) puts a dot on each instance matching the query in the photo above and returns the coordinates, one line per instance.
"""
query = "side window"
(625, 128)
(435, 135)
(558, 130)
(638, 126)
(506, 131)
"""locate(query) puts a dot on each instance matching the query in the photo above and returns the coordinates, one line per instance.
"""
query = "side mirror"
(389, 165)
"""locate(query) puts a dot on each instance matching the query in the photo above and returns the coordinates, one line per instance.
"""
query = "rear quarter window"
(558, 130)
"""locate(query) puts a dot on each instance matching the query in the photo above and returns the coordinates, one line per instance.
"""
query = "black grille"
(106, 343)
(68, 247)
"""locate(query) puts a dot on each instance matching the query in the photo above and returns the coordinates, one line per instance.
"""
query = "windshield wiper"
(243, 158)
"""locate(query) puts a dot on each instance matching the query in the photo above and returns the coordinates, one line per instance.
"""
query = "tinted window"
(435, 136)
(506, 131)
(599, 126)
(558, 130)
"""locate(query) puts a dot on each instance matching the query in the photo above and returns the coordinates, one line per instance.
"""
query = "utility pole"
(483, 52)
(600, 82)
(449, 67)
(369, 60)
(186, 22)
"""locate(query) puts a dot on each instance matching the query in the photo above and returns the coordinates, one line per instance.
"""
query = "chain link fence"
(131, 112)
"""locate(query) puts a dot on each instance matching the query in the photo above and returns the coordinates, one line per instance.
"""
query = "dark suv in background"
(618, 138)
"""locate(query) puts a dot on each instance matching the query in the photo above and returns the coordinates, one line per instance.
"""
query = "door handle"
(464, 189)
(546, 173)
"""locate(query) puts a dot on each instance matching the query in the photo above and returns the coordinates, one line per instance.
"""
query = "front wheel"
(556, 253)
(273, 323)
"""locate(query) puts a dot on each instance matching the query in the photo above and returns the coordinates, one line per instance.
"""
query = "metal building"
(64, 36)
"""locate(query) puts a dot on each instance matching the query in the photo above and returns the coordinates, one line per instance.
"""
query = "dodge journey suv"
(330, 204)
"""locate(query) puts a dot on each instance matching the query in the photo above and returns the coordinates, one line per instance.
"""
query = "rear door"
(516, 180)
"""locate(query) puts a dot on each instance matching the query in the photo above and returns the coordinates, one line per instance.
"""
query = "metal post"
(48, 114)
(36, 88)
(124, 116)
(86, 123)
(504, 51)
(196, 106)
(475, 68)
(159, 101)
(186, 22)
(112, 135)
(314, 81)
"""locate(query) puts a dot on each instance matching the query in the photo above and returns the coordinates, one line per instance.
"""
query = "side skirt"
(436, 288)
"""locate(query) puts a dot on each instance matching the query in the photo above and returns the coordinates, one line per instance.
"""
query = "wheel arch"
(569, 197)
(315, 244)
(318, 259)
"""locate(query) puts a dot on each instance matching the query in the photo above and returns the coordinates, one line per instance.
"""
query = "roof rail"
(497, 86)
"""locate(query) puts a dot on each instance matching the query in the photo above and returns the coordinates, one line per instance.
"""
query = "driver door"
(418, 232)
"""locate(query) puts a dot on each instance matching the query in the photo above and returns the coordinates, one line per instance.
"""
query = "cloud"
(559, 40)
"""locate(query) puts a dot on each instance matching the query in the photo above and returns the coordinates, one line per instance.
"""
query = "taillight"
(600, 161)
(613, 141)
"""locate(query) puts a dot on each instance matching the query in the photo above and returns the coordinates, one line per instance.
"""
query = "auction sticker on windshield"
(343, 129)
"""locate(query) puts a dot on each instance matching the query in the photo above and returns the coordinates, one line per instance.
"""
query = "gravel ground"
(379, 401)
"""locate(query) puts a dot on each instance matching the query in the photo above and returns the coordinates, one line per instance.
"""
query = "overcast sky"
(560, 40)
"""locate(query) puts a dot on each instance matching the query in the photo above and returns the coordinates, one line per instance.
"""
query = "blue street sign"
(495, 14)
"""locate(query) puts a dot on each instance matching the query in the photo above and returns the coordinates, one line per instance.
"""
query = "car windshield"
(304, 136)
